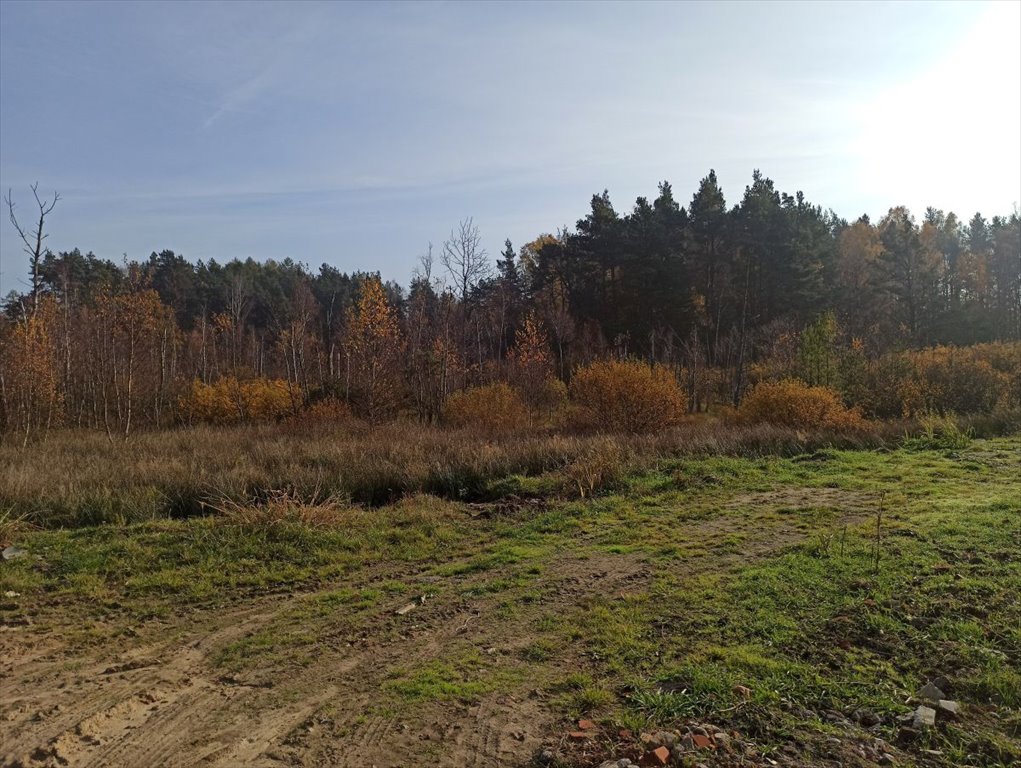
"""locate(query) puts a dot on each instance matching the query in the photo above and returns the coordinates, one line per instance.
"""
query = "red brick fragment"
(701, 742)
(586, 725)
(658, 756)
(577, 735)
(625, 734)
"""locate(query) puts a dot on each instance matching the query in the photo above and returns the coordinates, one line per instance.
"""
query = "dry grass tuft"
(74, 478)
(284, 507)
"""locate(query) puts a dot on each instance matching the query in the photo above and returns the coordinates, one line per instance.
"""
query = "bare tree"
(465, 259)
(33, 240)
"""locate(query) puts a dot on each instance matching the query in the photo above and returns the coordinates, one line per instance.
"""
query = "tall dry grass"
(75, 478)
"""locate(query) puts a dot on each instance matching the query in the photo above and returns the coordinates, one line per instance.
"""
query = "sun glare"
(951, 135)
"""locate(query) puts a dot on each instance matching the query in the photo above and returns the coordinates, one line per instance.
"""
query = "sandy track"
(157, 700)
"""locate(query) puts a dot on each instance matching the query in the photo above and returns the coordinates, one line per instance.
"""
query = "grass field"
(792, 603)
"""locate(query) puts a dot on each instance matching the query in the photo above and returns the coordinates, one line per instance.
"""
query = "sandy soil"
(152, 697)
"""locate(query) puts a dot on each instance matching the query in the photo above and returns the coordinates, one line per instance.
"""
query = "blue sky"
(355, 134)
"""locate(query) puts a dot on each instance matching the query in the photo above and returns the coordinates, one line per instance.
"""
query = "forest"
(684, 486)
(896, 316)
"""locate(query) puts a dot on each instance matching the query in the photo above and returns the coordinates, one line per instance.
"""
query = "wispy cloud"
(273, 72)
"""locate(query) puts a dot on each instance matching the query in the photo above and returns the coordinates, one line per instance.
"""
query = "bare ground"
(152, 696)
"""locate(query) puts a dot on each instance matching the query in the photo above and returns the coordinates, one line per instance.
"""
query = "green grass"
(762, 572)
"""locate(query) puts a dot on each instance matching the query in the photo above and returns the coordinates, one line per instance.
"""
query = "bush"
(938, 432)
(945, 379)
(792, 403)
(627, 396)
(324, 413)
(493, 408)
(229, 401)
(600, 466)
(961, 380)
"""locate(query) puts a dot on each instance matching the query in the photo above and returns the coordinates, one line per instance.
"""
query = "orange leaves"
(627, 396)
(33, 370)
(229, 401)
(494, 408)
(374, 348)
(531, 366)
(792, 403)
(373, 325)
(531, 348)
(957, 380)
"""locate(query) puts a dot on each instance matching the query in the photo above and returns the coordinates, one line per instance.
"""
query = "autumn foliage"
(375, 347)
(531, 367)
(492, 408)
(946, 379)
(229, 401)
(792, 403)
(31, 386)
(627, 396)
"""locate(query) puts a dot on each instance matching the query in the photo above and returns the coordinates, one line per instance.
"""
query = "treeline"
(719, 295)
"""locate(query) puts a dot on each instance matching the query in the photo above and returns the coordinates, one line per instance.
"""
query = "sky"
(356, 134)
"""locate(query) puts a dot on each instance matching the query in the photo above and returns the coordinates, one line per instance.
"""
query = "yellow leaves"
(33, 370)
(948, 379)
(373, 326)
(792, 403)
(628, 396)
(223, 323)
(374, 346)
(228, 401)
(531, 346)
(494, 408)
(531, 365)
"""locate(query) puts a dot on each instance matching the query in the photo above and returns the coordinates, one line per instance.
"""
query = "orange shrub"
(330, 409)
(228, 401)
(266, 399)
(792, 403)
(627, 396)
(962, 380)
(950, 380)
(491, 408)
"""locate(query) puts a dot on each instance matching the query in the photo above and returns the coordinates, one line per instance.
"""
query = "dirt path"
(157, 699)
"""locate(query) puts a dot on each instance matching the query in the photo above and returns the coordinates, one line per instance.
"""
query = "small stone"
(12, 593)
(886, 759)
(924, 717)
(930, 692)
(665, 739)
(545, 757)
(907, 735)
(866, 718)
(13, 553)
(742, 690)
(948, 707)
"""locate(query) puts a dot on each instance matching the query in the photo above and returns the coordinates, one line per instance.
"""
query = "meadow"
(407, 596)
